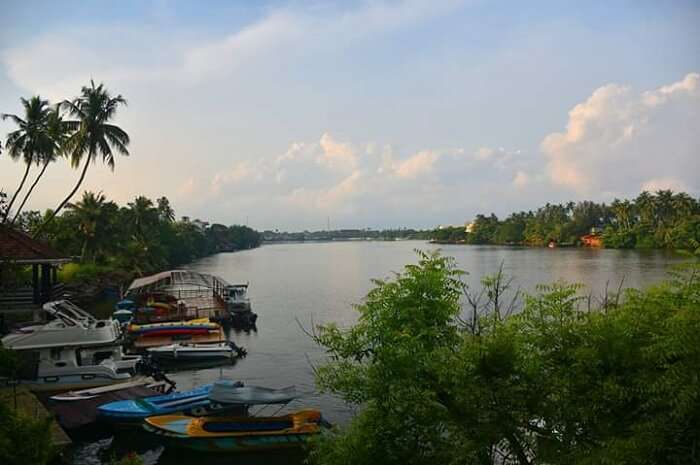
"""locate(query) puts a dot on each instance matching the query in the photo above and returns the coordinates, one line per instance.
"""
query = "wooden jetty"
(28, 404)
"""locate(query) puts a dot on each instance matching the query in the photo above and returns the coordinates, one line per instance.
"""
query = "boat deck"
(204, 306)
(142, 343)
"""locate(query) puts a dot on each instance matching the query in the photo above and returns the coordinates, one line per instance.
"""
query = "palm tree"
(58, 132)
(88, 211)
(30, 140)
(623, 213)
(165, 211)
(143, 214)
(646, 206)
(683, 205)
(94, 134)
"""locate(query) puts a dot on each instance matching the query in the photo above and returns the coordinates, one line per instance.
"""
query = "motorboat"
(236, 298)
(193, 402)
(236, 433)
(197, 352)
(73, 350)
(91, 393)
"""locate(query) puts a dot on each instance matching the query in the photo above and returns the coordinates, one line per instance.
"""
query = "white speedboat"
(236, 298)
(72, 351)
(197, 352)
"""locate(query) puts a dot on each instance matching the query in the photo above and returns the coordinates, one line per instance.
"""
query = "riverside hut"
(28, 272)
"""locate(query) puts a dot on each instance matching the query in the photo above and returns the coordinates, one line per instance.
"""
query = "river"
(297, 284)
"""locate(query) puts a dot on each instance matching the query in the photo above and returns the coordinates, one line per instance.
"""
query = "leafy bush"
(23, 439)
(558, 383)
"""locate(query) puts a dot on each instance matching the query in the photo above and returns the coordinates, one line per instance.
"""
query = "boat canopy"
(175, 279)
(230, 392)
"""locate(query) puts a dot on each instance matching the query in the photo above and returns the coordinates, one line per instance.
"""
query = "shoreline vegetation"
(549, 377)
(663, 220)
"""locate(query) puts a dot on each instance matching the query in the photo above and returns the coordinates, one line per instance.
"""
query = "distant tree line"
(141, 237)
(661, 220)
(346, 234)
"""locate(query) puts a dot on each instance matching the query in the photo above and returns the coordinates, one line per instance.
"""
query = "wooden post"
(35, 282)
(45, 283)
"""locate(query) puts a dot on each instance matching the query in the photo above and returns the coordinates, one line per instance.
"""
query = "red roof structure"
(18, 247)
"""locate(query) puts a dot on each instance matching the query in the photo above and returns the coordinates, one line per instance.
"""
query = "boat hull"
(236, 433)
(236, 444)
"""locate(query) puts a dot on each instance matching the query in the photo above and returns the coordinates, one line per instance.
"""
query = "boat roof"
(71, 327)
(174, 279)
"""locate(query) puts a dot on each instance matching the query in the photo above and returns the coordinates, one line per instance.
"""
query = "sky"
(288, 115)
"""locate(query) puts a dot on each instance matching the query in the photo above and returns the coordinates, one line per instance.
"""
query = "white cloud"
(417, 165)
(521, 179)
(336, 155)
(618, 140)
(657, 184)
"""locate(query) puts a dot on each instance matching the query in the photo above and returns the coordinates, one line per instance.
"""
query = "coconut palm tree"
(58, 132)
(683, 205)
(165, 211)
(143, 216)
(88, 211)
(29, 141)
(646, 206)
(94, 135)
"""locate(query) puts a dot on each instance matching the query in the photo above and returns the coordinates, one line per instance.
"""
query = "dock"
(28, 404)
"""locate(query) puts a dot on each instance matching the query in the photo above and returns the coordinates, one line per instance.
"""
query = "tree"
(165, 211)
(58, 132)
(30, 140)
(558, 383)
(94, 134)
(89, 213)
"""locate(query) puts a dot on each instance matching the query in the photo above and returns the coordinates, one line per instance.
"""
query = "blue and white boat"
(136, 410)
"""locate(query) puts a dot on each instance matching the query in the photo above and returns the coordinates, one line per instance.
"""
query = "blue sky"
(373, 113)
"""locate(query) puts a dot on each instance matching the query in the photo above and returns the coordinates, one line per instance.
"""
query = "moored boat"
(197, 352)
(72, 351)
(192, 402)
(199, 326)
(91, 393)
(236, 433)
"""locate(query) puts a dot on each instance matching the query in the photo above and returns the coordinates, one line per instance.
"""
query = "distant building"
(469, 228)
(201, 225)
(592, 240)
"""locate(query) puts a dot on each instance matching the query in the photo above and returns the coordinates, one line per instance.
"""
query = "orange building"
(592, 240)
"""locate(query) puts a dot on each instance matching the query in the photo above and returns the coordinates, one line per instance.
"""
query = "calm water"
(319, 282)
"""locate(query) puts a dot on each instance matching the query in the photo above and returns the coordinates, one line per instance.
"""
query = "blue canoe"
(128, 411)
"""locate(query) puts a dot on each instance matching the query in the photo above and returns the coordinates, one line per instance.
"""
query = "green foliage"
(661, 220)
(557, 383)
(9, 363)
(139, 238)
(23, 439)
(449, 234)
